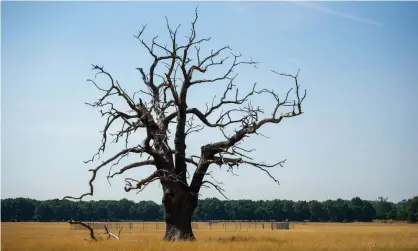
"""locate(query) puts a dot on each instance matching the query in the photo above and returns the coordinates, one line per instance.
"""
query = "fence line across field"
(160, 226)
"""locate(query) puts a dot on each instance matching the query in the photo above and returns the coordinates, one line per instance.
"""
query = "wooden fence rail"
(212, 225)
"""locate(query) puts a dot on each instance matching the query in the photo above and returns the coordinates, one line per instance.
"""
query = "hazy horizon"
(358, 62)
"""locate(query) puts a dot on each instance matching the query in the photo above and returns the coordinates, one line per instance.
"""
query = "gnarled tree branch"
(250, 124)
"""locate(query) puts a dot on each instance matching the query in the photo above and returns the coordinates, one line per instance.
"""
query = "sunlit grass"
(332, 236)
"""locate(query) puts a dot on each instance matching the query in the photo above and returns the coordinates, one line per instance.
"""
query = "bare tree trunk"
(179, 208)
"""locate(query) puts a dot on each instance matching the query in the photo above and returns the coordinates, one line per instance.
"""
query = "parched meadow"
(219, 237)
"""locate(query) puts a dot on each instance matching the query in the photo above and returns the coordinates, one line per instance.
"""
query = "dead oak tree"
(168, 96)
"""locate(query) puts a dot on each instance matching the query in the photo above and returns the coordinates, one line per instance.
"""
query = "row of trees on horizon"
(356, 209)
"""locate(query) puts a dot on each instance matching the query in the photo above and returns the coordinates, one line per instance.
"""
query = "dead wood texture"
(161, 112)
(110, 234)
(92, 235)
(91, 230)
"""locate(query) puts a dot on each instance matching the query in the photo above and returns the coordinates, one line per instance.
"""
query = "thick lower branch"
(199, 174)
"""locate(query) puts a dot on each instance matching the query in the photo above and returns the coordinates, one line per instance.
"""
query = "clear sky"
(358, 61)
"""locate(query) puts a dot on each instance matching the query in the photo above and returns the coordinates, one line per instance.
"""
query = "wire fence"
(204, 226)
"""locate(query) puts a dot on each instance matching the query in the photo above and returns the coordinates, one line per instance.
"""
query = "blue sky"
(358, 61)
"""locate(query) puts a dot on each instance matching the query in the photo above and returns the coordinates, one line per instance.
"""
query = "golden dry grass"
(333, 236)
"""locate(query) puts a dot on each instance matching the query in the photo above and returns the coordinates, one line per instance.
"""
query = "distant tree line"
(356, 209)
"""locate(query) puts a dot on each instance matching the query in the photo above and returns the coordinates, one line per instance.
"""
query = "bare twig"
(217, 187)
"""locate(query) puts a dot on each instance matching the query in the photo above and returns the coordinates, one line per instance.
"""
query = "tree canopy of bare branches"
(168, 94)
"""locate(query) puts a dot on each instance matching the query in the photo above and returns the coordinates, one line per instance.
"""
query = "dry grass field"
(332, 236)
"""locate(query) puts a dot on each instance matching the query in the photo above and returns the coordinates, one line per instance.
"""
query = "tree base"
(173, 233)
